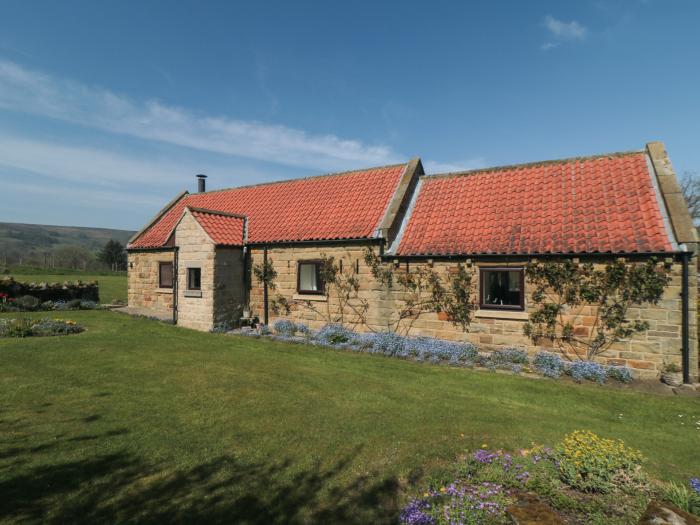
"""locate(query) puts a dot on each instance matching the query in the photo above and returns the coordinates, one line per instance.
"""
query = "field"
(134, 420)
(112, 284)
(34, 242)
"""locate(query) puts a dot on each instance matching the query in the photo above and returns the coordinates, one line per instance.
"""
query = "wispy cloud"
(448, 167)
(561, 31)
(34, 92)
(89, 166)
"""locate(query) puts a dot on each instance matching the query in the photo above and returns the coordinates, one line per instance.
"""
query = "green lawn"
(111, 286)
(143, 422)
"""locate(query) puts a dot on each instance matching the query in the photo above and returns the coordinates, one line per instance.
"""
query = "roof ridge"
(532, 164)
(216, 212)
(323, 175)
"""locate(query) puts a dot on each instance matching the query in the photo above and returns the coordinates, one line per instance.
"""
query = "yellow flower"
(484, 445)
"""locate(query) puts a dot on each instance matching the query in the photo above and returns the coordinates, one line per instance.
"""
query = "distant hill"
(33, 243)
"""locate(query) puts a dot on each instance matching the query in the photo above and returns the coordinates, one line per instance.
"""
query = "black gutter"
(265, 284)
(341, 242)
(521, 256)
(246, 280)
(175, 265)
(685, 295)
(150, 250)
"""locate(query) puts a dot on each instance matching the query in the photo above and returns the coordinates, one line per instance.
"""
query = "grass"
(112, 284)
(134, 420)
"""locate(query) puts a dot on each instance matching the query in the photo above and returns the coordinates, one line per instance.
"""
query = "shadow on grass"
(120, 488)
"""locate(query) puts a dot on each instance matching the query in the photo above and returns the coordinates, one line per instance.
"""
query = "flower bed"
(584, 479)
(433, 350)
(24, 327)
(29, 303)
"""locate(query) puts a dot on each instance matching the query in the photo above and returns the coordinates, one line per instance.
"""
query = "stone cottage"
(196, 258)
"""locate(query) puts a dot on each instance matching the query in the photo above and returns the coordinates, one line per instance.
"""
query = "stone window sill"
(164, 290)
(501, 314)
(309, 297)
(192, 293)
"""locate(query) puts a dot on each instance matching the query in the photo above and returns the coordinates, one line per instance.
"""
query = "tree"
(421, 290)
(74, 257)
(583, 310)
(690, 186)
(113, 255)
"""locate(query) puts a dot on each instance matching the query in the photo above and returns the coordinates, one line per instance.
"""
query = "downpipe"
(265, 305)
(175, 283)
(685, 296)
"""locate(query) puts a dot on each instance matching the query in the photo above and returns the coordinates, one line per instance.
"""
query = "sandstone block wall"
(142, 287)
(229, 289)
(195, 309)
(646, 353)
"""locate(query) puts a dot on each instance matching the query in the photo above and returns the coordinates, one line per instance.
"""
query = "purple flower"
(413, 513)
(695, 485)
(484, 456)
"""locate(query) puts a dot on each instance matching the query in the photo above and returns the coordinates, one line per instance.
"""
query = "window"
(503, 288)
(309, 277)
(194, 278)
(165, 275)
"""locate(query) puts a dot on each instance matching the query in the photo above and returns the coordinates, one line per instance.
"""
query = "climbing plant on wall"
(342, 286)
(421, 289)
(266, 274)
(566, 293)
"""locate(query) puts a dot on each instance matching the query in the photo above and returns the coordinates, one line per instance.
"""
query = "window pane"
(308, 281)
(501, 288)
(194, 276)
(166, 275)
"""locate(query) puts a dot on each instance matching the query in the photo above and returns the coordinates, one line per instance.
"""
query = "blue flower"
(589, 370)
(620, 373)
(413, 513)
(285, 327)
(549, 365)
(695, 485)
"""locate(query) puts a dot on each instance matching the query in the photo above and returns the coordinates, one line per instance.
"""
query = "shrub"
(593, 464)
(589, 370)
(387, 343)
(334, 334)
(87, 305)
(28, 303)
(549, 365)
(620, 373)
(302, 329)
(284, 327)
(509, 356)
(436, 350)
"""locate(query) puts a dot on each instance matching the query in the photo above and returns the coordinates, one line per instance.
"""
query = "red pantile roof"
(339, 206)
(602, 204)
(224, 229)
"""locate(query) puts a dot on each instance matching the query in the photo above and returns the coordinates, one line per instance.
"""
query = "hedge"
(66, 291)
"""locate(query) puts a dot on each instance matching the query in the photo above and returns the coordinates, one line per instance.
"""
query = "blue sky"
(108, 109)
